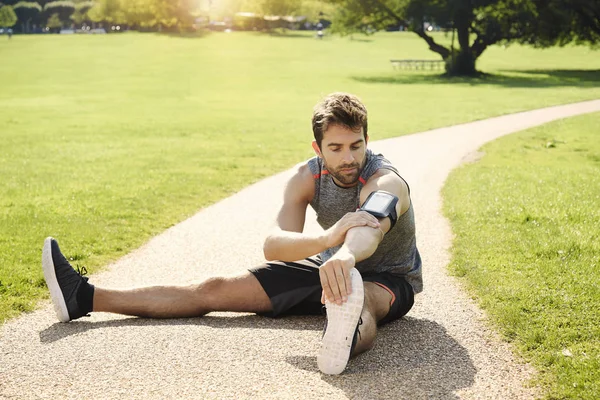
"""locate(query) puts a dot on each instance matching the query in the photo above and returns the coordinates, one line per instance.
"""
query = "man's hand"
(337, 233)
(335, 277)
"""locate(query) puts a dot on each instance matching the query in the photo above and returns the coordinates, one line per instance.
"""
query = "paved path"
(443, 350)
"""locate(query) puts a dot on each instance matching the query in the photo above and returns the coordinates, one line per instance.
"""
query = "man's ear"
(366, 139)
(315, 147)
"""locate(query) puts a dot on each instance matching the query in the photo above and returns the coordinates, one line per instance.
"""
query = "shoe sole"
(341, 326)
(58, 300)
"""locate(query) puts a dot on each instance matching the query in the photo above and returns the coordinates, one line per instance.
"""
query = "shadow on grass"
(287, 34)
(535, 78)
(362, 40)
(185, 35)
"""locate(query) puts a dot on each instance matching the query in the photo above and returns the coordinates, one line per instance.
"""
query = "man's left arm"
(361, 241)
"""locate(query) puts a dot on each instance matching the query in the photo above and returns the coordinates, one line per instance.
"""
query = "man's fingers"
(325, 285)
(329, 281)
(362, 220)
(371, 219)
(341, 281)
(332, 282)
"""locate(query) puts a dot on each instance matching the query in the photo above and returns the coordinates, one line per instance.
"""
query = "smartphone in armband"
(381, 204)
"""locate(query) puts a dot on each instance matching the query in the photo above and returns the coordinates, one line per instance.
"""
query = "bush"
(7, 16)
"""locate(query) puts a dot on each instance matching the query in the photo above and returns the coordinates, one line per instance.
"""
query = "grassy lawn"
(108, 140)
(527, 225)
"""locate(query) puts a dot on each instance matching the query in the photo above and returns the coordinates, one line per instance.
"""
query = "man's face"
(344, 154)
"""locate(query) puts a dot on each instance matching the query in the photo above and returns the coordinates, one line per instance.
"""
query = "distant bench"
(418, 64)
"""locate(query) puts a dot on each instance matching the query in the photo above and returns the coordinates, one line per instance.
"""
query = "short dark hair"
(339, 109)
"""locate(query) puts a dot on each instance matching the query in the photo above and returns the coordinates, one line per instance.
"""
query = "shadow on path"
(60, 330)
(534, 78)
(413, 359)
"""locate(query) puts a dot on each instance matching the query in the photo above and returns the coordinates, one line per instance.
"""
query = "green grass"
(527, 225)
(108, 140)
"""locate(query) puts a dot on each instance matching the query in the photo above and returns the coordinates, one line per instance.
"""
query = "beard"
(346, 178)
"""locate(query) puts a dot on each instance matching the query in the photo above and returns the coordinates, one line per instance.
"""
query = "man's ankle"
(85, 297)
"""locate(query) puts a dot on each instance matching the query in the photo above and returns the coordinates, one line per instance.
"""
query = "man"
(364, 266)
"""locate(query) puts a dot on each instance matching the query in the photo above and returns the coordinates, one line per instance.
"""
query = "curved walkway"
(443, 350)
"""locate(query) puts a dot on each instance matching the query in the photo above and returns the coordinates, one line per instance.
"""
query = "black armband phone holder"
(382, 204)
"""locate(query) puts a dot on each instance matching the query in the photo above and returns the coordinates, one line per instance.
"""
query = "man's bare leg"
(377, 305)
(241, 293)
(73, 297)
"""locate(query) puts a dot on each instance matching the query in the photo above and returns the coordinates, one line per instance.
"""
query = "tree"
(54, 23)
(80, 15)
(110, 11)
(138, 13)
(178, 14)
(315, 9)
(27, 11)
(279, 7)
(63, 9)
(174, 13)
(7, 16)
(478, 23)
(564, 21)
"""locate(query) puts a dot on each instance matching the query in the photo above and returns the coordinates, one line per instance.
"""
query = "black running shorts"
(295, 288)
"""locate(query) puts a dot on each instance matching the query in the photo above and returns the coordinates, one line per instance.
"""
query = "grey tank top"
(397, 253)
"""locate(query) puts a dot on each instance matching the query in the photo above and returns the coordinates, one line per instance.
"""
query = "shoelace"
(360, 322)
(81, 271)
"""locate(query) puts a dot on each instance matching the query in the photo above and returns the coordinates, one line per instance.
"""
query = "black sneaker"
(341, 329)
(356, 335)
(63, 282)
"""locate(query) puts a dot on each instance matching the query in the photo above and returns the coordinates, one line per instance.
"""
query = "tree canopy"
(559, 22)
(478, 23)
(7, 16)
(27, 12)
(154, 14)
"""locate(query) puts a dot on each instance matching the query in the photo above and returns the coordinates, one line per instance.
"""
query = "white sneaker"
(342, 323)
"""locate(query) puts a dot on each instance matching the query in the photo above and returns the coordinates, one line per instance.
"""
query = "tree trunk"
(462, 62)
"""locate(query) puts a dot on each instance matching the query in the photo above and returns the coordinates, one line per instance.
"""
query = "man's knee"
(210, 287)
(377, 299)
(236, 293)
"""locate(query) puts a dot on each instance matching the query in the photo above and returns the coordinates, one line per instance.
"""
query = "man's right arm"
(287, 242)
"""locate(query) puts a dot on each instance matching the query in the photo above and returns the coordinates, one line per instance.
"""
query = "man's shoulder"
(303, 170)
(301, 182)
(385, 179)
(389, 181)
(385, 173)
